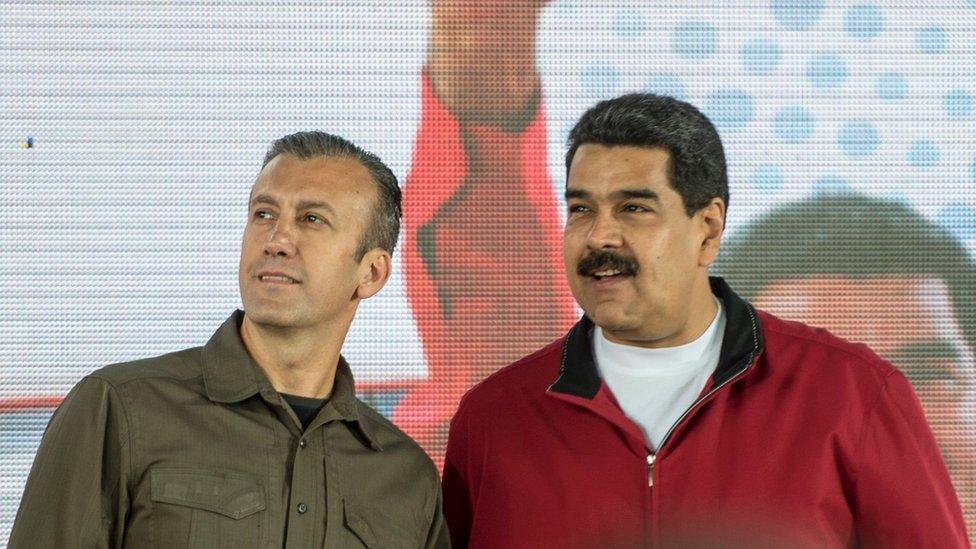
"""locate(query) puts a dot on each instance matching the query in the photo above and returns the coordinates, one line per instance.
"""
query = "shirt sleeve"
(76, 492)
(438, 536)
(903, 494)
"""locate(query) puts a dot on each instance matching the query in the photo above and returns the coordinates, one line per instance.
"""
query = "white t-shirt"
(655, 386)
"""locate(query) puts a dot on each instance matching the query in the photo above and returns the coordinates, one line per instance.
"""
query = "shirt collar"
(741, 342)
(229, 372)
(231, 375)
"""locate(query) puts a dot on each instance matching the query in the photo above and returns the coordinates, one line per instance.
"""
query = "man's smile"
(276, 277)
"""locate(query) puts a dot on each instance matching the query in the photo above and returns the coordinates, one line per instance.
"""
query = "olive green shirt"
(196, 449)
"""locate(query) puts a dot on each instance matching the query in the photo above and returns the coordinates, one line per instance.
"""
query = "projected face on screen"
(911, 323)
(877, 272)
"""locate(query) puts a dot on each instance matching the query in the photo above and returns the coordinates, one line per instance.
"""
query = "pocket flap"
(358, 525)
(232, 495)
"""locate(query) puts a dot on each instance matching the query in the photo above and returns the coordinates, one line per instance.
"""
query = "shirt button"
(302, 508)
(302, 443)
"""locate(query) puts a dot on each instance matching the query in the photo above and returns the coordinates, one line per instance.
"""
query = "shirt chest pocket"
(365, 527)
(206, 508)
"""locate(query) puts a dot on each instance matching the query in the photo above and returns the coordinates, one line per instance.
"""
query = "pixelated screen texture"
(132, 132)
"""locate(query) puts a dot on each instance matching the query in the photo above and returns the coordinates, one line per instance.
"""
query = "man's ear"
(375, 267)
(712, 223)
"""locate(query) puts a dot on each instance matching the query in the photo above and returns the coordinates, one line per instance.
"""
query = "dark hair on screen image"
(384, 227)
(697, 169)
(851, 235)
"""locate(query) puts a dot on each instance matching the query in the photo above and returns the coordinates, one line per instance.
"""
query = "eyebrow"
(302, 204)
(622, 193)
(263, 199)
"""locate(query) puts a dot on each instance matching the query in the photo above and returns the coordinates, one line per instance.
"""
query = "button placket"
(305, 506)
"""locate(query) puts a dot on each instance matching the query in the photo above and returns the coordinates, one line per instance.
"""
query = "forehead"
(287, 177)
(600, 167)
(889, 314)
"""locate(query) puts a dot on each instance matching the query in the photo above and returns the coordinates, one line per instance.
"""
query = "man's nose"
(604, 233)
(280, 241)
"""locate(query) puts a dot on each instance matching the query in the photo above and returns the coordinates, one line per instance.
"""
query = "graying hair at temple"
(384, 227)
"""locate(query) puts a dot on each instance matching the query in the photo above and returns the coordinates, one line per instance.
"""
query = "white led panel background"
(130, 133)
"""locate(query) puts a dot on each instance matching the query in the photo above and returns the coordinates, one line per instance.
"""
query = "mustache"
(607, 259)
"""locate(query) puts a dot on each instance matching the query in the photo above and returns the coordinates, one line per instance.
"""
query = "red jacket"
(801, 439)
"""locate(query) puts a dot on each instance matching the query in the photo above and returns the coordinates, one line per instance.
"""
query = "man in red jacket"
(917, 281)
(674, 413)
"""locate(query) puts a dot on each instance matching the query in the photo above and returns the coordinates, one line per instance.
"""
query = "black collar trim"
(742, 341)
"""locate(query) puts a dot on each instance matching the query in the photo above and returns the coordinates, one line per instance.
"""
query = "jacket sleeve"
(76, 492)
(457, 483)
(903, 494)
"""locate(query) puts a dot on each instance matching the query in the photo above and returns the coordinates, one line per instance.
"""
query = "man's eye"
(577, 208)
(312, 218)
(632, 208)
(262, 214)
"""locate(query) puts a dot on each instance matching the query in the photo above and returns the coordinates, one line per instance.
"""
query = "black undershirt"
(304, 407)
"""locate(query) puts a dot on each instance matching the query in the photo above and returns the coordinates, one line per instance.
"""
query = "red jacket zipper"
(652, 457)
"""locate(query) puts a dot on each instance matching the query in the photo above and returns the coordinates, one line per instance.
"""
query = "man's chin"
(274, 318)
(611, 320)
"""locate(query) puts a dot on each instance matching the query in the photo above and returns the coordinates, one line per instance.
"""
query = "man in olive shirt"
(255, 439)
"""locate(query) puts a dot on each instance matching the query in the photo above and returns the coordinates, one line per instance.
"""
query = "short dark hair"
(851, 235)
(696, 168)
(384, 227)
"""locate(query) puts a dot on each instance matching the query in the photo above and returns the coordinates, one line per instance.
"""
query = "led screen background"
(132, 131)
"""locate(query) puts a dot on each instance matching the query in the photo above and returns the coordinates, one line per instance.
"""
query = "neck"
(703, 310)
(297, 362)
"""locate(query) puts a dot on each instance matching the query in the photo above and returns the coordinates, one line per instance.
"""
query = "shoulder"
(179, 365)
(795, 344)
(530, 375)
(394, 441)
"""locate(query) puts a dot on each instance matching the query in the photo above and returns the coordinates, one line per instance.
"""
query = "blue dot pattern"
(729, 109)
(797, 14)
(665, 84)
(958, 218)
(629, 25)
(858, 138)
(793, 124)
(864, 22)
(600, 80)
(892, 86)
(923, 154)
(768, 177)
(932, 40)
(695, 40)
(831, 184)
(760, 56)
(958, 104)
(826, 71)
